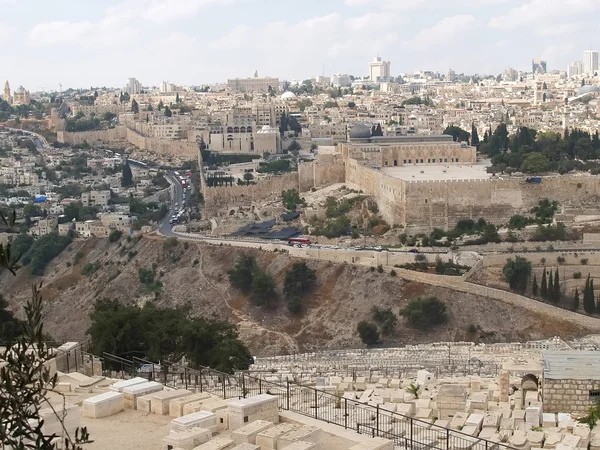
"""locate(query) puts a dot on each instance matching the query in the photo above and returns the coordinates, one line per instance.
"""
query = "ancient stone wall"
(77, 138)
(318, 174)
(219, 198)
(569, 395)
(545, 258)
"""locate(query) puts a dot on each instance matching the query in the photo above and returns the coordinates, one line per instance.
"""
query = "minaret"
(7, 97)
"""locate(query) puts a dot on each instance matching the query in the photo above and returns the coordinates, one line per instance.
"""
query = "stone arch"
(529, 382)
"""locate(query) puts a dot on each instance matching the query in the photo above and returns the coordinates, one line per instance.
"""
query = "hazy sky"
(102, 43)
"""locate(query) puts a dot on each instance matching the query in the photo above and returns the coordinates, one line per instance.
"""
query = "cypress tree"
(544, 287)
(549, 292)
(556, 289)
(576, 300)
(588, 300)
(127, 179)
(534, 287)
(592, 301)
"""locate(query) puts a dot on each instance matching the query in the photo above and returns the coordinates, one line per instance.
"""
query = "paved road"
(165, 228)
(40, 141)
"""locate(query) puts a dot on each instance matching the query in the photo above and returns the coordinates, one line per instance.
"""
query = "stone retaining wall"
(568, 395)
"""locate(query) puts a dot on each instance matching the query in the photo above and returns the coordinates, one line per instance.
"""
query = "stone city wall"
(317, 174)
(544, 258)
(568, 395)
(183, 149)
(218, 198)
(77, 138)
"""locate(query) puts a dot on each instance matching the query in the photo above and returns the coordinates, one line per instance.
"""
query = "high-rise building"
(451, 75)
(166, 87)
(340, 80)
(510, 74)
(538, 66)
(133, 87)
(590, 62)
(254, 84)
(575, 69)
(379, 70)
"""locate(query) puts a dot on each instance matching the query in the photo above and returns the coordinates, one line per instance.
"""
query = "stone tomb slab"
(160, 401)
(200, 419)
(246, 447)
(304, 433)
(267, 440)
(187, 439)
(132, 393)
(247, 433)
(302, 445)
(243, 411)
(475, 420)
(103, 405)
(120, 385)
(176, 405)
(218, 443)
(143, 403)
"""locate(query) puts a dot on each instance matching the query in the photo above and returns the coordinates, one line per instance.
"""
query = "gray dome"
(360, 131)
(588, 89)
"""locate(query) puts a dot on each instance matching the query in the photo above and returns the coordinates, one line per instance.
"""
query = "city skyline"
(208, 41)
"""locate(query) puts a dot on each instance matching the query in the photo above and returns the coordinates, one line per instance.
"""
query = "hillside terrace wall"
(106, 136)
(544, 258)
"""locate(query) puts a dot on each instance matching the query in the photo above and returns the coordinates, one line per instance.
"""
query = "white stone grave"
(120, 385)
(103, 405)
(131, 393)
(247, 433)
(241, 412)
(200, 419)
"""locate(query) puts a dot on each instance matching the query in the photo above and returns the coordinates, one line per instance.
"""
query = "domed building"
(589, 89)
(288, 96)
(267, 139)
(359, 131)
(21, 97)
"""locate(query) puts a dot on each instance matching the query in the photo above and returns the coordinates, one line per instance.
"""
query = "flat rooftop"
(440, 172)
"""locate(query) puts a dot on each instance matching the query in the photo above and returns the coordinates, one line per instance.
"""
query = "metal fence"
(351, 414)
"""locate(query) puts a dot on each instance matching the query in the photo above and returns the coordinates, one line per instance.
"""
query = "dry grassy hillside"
(197, 275)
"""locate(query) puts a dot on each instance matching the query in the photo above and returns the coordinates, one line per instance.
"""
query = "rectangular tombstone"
(533, 416)
(301, 445)
(176, 405)
(218, 443)
(267, 440)
(103, 405)
(120, 385)
(187, 439)
(247, 433)
(263, 407)
(209, 404)
(549, 420)
(69, 413)
(200, 419)
(143, 403)
(132, 393)
(246, 447)
(304, 433)
(374, 444)
(160, 401)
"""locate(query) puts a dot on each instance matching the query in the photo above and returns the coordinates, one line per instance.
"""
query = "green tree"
(291, 199)
(134, 106)
(576, 300)
(242, 273)
(424, 312)
(127, 178)
(474, 135)
(556, 288)
(457, 133)
(544, 287)
(263, 289)
(534, 287)
(386, 319)
(535, 163)
(299, 280)
(115, 235)
(160, 105)
(177, 98)
(368, 332)
(168, 112)
(516, 272)
(248, 177)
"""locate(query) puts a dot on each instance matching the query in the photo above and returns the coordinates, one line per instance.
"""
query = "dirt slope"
(197, 275)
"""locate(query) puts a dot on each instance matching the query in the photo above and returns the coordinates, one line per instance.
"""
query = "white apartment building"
(510, 74)
(379, 70)
(95, 198)
(166, 87)
(341, 80)
(590, 62)
(133, 87)
(575, 69)
(169, 131)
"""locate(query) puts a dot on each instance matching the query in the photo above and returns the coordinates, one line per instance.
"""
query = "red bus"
(301, 241)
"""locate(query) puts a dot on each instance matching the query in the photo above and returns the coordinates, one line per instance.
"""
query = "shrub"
(393, 272)
(368, 332)
(186, 245)
(386, 319)
(516, 272)
(380, 268)
(560, 260)
(584, 261)
(78, 257)
(196, 262)
(577, 275)
(472, 328)
(68, 263)
(131, 254)
(424, 312)
(372, 269)
(171, 243)
(115, 235)
(90, 269)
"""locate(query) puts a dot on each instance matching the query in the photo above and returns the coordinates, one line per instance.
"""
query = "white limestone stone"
(143, 403)
(160, 401)
(535, 438)
(423, 413)
(176, 405)
(69, 413)
(533, 416)
(120, 385)
(552, 440)
(187, 439)
(406, 409)
(549, 420)
(475, 419)
(218, 443)
(103, 405)
(246, 447)
(304, 433)
(264, 407)
(459, 420)
(200, 419)
(267, 440)
(131, 393)
(247, 433)
(374, 444)
(301, 445)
